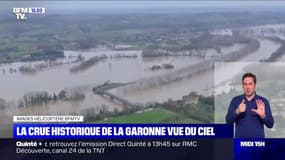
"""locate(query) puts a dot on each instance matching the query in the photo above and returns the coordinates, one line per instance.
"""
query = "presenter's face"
(248, 86)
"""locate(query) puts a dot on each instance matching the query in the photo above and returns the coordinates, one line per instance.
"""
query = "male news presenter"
(249, 111)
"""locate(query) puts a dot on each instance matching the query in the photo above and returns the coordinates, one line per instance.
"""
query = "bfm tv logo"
(20, 13)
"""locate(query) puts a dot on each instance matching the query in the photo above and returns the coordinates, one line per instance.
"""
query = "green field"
(156, 115)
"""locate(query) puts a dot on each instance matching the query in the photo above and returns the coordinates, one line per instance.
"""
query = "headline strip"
(123, 131)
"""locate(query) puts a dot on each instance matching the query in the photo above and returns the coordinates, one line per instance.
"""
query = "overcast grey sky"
(139, 4)
(56, 6)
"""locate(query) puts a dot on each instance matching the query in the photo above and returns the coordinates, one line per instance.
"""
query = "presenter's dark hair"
(253, 76)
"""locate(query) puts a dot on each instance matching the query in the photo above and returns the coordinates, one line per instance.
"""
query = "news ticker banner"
(121, 141)
(162, 148)
(122, 131)
(109, 149)
(106, 141)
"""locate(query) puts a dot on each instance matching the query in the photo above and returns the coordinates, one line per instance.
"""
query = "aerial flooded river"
(202, 83)
(14, 84)
(118, 70)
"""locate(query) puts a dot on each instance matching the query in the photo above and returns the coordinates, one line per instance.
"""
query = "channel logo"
(21, 13)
